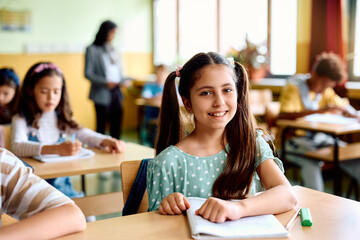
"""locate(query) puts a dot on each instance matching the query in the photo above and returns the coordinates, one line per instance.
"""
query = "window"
(354, 58)
(283, 37)
(185, 27)
(240, 18)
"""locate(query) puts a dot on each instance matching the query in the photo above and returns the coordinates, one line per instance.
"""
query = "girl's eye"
(205, 93)
(228, 90)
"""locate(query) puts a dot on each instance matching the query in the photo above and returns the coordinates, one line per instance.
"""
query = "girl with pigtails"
(224, 157)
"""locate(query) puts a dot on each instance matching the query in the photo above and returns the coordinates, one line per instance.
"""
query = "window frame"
(269, 75)
(352, 20)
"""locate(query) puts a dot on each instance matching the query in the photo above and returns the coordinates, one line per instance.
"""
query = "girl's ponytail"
(169, 131)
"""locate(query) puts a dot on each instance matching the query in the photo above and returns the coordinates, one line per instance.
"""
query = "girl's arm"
(64, 149)
(277, 198)
(47, 224)
(94, 139)
(162, 193)
(20, 145)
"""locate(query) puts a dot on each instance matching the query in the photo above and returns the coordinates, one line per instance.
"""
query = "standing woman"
(103, 69)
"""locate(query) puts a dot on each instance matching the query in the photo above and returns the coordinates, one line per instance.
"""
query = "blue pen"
(73, 137)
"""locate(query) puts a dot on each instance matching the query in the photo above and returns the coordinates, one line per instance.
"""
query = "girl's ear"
(187, 104)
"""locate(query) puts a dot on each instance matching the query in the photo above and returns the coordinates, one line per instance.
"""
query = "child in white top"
(44, 121)
(221, 157)
(43, 211)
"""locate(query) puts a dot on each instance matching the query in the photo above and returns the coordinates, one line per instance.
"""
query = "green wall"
(70, 25)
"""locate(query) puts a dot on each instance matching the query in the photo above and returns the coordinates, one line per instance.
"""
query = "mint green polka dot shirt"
(173, 170)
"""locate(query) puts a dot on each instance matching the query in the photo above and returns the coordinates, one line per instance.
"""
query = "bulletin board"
(15, 20)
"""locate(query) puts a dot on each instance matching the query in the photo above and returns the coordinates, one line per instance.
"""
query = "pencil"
(73, 137)
(292, 220)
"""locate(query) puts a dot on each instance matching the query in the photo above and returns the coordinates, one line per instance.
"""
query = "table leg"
(283, 141)
(337, 173)
(83, 184)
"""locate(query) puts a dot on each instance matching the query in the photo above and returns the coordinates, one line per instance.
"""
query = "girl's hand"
(69, 148)
(331, 109)
(217, 210)
(113, 145)
(174, 204)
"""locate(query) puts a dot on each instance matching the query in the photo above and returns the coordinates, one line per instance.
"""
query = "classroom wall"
(303, 36)
(69, 25)
(72, 65)
(60, 31)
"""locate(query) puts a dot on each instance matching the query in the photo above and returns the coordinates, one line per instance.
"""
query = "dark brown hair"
(9, 78)
(235, 180)
(330, 65)
(27, 106)
(103, 33)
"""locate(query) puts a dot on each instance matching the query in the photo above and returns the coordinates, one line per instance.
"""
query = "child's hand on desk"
(331, 109)
(173, 204)
(217, 210)
(69, 148)
(113, 145)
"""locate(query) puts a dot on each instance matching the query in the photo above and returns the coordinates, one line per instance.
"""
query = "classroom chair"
(6, 129)
(133, 178)
(260, 97)
(100, 204)
(272, 110)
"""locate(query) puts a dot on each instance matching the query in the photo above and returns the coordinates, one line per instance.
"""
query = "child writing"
(44, 120)
(224, 157)
(43, 211)
(9, 86)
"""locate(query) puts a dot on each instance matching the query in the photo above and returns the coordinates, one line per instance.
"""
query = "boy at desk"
(44, 212)
(312, 93)
(152, 91)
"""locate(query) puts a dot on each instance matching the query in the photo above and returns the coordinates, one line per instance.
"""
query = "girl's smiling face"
(7, 93)
(213, 98)
(47, 92)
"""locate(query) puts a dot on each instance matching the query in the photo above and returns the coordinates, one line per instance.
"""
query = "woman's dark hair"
(27, 106)
(330, 65)
(235, 180)
(103, 32)
(9, 78)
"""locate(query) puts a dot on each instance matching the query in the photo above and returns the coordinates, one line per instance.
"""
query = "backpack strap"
(137, 191)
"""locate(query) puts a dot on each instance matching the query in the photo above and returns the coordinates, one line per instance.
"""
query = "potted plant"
(254, 58)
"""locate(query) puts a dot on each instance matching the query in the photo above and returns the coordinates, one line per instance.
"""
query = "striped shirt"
(47, 134)
(24, 194)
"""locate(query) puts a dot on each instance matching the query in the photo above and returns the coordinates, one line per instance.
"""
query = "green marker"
(305, 217)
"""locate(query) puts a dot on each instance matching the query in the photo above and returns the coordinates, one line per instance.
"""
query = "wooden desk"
(333, 218)
(276, 84)
(102, 161)
(335, 130)
(153, 102)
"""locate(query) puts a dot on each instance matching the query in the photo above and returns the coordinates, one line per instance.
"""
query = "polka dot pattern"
(176, 171)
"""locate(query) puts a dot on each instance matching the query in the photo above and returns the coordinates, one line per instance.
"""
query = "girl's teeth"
(218, 114)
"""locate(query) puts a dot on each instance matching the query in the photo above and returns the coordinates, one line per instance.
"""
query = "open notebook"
(263, 226)
(83, 153)
(330, 118)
